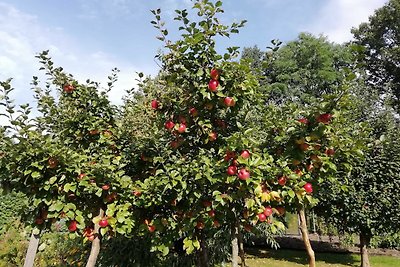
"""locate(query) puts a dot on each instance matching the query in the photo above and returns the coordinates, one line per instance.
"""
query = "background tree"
(379, 39)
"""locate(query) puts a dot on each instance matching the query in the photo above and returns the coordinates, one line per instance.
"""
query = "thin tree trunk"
(202, 254)
(235, 245)
(364, 242)
(31, 253)
(306, 240)
(240, 245)
(95, 250)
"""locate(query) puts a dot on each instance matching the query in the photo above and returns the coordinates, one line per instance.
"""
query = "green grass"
(293, 258)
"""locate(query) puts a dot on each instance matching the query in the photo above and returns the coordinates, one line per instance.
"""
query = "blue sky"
(90, 37)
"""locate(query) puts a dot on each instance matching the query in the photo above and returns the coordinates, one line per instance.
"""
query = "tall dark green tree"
(380, 40)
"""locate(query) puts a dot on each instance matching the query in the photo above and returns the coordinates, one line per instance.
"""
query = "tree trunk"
(202, 254)
(95, 250)
(304, 234)
(240, 245)
(31, 253)
(235, 245)
(364, 242)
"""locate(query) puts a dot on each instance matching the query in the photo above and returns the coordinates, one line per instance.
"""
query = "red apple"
(214, 74)
(216, 223)
(213, 85)
(310, 167)
(303, 120)
(182, 128)
(268, 211)
(169, 125)
(243, 174)
(245, 154)
(229, 101)
(39, 221)
(137, 193)
(151, 228)
(88, 232)
(314, 157)
(229, 155)
(304, 146)
(72, 226)
(235, 162)
(308, 188)
(324, 118)
(154, 104)
(103, 222)
(93, 132)
(53, 162)
(282, 180)
(207, 203)
(262, 217)
(212, 136)
(298, 172)
(68, 88)
(193, 112)
(200, 225)
(330, 152)
(211, 213)
(81, 176)
(232, 170)
(105, 187)
(174, 144)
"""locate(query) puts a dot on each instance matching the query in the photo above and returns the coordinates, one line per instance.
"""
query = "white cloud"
(337, 17)
(22, 37)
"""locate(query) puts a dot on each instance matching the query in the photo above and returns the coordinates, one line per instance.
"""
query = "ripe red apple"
(154, 104)
(314, 157)
(39, 221)
(214, 74)
(282, 180)
(212, 136)
(193, 112)
(105, 187)
(169, 125)
(213, 85)
(151, 228)
(68, 88)
(229, 155)
(53, 162)
(235, 162)
(200, 225)
(303, 120)
(243, 174)
(324, 118)
(211, 213)
(232, 170)
(216, 223)
(308, 188)
(268, 211)
(229, 101)
(304, 146)
(262, 217)
(103, 222)
(72, 226)
(330, 152)
(174, 144)
(182, 128)
(298, 172)
(88, 232)
(245, 154)
(207, 203)
(137, 193)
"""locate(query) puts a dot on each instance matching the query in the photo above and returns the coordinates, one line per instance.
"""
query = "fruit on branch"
(303, 120)
(182, 128)
(243, 174)
(245, 154)
(214, 74)
(68, 88)
(282, 180)
(268, 211)
(213, 85)
(103, 222)
(324, 118)
(262, 217)
(169, 125)
(229, 101)
(232, 170)
(72, 226)
(308, 188)
(212, 136)
(330, 152)
(193, 111)
(154, 104)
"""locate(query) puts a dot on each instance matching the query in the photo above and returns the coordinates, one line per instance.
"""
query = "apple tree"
(66, 159)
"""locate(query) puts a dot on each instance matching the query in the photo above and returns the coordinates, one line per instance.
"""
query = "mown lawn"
(293, 258)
